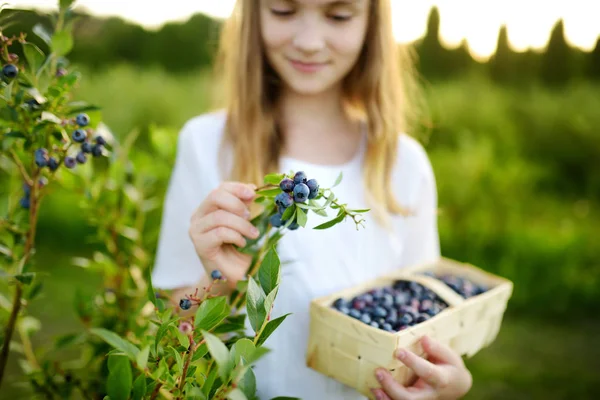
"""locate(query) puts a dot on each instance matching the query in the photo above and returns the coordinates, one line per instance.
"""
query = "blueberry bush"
(134, 342)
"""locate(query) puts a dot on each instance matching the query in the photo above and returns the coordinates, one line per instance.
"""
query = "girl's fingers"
(430, 373)
(380, 394)
(393, 390)
(222, 218)
(223, 200)
(441, 352)
(221, 235)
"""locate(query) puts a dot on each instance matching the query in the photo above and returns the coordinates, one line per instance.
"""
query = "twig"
(188, 359)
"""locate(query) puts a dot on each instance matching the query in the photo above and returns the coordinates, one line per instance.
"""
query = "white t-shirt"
(314, 262)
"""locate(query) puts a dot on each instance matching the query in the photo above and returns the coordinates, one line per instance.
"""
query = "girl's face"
(313, 44)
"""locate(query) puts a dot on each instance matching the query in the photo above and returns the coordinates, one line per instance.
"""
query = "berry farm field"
(519, 188)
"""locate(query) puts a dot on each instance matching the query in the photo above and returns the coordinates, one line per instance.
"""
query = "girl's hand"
(222, 220)
(442, 377)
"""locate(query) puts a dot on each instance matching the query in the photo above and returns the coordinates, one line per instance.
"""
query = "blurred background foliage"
(514, 142)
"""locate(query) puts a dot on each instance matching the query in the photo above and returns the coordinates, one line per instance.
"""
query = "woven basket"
(349, 350)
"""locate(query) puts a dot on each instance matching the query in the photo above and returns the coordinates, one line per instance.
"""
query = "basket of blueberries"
(355, 331)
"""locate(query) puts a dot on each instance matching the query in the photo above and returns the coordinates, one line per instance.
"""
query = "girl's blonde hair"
(378, 88)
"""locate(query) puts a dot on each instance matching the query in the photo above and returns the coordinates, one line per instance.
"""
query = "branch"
(21, 167)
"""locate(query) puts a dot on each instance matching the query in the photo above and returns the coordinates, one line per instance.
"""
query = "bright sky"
(478, 21)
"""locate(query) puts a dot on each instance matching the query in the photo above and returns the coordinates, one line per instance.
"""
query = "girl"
(314, 86)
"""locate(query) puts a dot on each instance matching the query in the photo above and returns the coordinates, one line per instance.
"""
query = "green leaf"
(42, 33)
(15, 134)
(332, 222)
(118, 385)
(255, 300)
(177, 357)
(184, 340)
(62, 42)
(209, 382)
(360, 211)
(338, 180)
(242, 348)
(139, 388)
(287, 214)
(301, 218)
(162, 330)
(274, 179)
(268, 272)
(142, 357)
(64, 4)
(211, 312)
(194, 393)
(201, 352)
(270, 300)
(36, 289)
(35, 57)
(117, 342)
(269, 192)
(236, 394)
(248, 384)
(242, 286)
(219, 353)
(151, 294)
(25, 278)
(270, 328)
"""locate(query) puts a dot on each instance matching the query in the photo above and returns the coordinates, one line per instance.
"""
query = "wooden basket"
(349, 350)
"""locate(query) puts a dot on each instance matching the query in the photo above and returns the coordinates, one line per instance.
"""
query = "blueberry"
(358, 304)
(10, 71)
(52, 164)
(100, 140)
(70, 162)
(313, 187)
(287, 185)
(86, 147)
(401, 298)
(387, 327)
(293, 226)
(374, 324)
(81, 158)
(82, 119)
(276, 221)
(300, 177)
(366, 318)
(345, 310)
(284, 200)
(79, 135)
(216, 275)
(41, 157)
(339, 303)
(354, 313)
(97, 150)
(405, 319)
(380, 312)
(24, 202)
(425, 305)
(185, 304)
(422, 318)
(387, 300)
(301, 192)
(33, 104)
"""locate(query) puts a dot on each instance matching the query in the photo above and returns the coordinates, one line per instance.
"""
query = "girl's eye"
(341, 18)
(282, 13)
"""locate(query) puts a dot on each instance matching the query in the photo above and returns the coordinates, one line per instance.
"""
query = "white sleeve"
(177, 263)
(422, 243)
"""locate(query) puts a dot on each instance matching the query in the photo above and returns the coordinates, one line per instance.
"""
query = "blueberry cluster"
(25, 201)
(393, 308)
(42, 159)
(463, 286)
(299, 190)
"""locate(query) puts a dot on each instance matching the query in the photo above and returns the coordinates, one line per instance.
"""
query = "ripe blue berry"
(301, 193)
(79, 135)
(216, 275)
(293, 226)
(24, 202)
(354, 313)
(185, 304)
(41, 157)
(276, 221)
(300, 177)
(313, 187)
(10, 71)
(100, 140)
(70, 162)
(287, 185)
(365, 318)
(82, 119)
(81, 157)
(97, 150)
(86, 147)
(284, 200)
(52, 164)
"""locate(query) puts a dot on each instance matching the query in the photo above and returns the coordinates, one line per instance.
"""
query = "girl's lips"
(307, 67)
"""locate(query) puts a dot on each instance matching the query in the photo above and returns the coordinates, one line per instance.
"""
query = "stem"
(154, 394)
(21, 167)
(188, 359)
(28, 350)
(10, 327)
